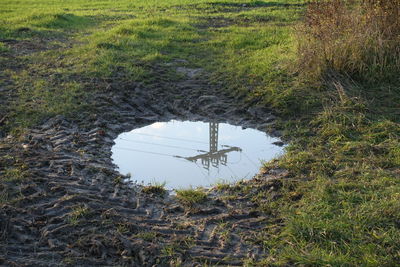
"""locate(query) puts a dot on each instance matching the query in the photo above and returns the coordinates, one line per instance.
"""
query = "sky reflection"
(190, 154)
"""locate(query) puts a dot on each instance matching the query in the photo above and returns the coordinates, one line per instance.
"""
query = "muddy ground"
(72, 208)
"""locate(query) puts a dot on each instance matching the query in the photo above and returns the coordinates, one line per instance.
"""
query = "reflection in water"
(214, 156)
(176, 153)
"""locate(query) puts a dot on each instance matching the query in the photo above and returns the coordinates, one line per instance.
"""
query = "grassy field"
(64, 46)
(342, 205)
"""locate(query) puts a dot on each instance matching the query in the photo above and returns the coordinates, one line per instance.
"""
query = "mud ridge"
(72, 208)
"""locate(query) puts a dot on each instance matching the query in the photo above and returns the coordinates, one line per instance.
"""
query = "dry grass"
(354, 38)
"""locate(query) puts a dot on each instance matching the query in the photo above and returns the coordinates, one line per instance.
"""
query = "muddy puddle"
(183, 154)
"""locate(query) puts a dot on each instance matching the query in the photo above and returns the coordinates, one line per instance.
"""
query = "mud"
(68, 206)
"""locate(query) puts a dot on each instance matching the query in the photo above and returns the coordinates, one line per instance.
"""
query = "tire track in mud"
(72, 208)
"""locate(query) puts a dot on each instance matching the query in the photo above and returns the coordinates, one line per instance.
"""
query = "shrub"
(350, 37)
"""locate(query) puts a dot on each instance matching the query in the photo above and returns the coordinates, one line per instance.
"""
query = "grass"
(78, 213)
(147, 236)
(346, 209)
(222, 186)
(14, 174)
(359, 39)
(156, 189)
(341, 205)
(68, 52)
(3, 48)
(191, 196)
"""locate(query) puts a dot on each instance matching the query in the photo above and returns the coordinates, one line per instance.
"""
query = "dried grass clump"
(360, 39)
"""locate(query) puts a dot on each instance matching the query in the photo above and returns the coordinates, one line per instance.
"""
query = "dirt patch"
(70, 206)
(215, 22)
(34, 45)
(243, 21)
(15, 60)
(214, 7)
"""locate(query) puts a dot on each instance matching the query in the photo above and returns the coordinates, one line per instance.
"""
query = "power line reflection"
(214, 157)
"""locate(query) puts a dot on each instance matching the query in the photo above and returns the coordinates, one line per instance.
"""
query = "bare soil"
(72, 208)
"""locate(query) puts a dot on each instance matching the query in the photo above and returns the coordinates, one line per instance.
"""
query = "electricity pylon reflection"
(214, 157)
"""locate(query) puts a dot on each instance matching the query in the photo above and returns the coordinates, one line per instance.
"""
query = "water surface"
(190, 154)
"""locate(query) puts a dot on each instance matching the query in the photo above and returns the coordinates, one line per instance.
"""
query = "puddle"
(190, 154)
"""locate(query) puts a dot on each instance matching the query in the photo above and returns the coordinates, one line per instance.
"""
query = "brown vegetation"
(356, 38)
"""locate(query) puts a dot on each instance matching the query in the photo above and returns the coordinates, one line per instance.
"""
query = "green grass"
(222, 185)
(71, 49)
(14, 174)
(147, 236)
(3, 48)
(156, 189)
(340, 208)
(191, 196)
(78, 213)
